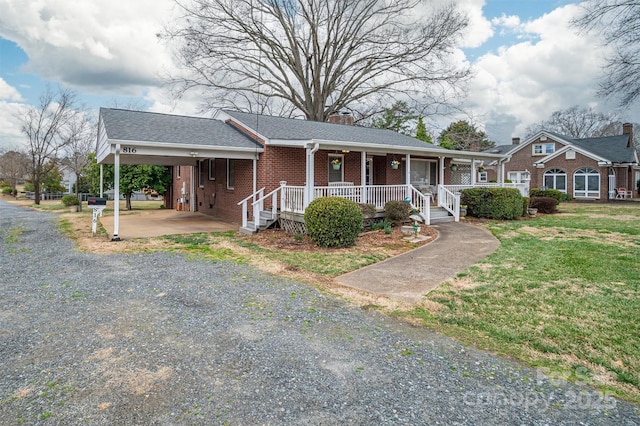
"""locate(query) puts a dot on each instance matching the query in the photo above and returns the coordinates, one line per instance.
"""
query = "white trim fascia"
(535, 137)
(575, 148)
(359, 146)
(182, 146)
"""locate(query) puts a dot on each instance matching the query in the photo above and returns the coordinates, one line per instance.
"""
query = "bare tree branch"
(315, 56)
(618, 21)
(43, 126)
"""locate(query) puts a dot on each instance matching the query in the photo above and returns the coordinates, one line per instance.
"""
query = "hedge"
(333, 221)
(493, 203)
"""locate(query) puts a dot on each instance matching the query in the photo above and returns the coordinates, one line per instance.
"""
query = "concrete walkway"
(409, 276)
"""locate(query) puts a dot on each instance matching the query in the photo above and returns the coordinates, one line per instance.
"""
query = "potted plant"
(71, 201)
(394, 164)
(463, 210)
(336, 163)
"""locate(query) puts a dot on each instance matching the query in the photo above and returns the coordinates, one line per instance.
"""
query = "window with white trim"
(543, 148)
(516, 176)
(586, 183)
(231, 173)
(482, 177)
(212, 169)
(556, 179)
(200, 174)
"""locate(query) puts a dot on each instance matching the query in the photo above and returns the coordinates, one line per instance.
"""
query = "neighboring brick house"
(586, 168)
(219, 163)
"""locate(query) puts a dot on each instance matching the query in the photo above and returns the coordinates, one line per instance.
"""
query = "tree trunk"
(36, 188)
(127, 197)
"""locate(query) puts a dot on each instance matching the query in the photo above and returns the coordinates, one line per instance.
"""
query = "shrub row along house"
(589, 168)
(253, 169)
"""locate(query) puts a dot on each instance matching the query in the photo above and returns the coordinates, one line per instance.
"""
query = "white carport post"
(407, 175)
(192, 190)
(101, 180)
(363, 176)
(116, 194)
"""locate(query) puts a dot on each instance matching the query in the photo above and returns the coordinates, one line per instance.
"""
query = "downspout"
(116, 194)
(310, 174)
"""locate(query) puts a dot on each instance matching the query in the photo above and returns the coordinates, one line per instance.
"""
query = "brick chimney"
(627, 129)
(343, 117)
(515, 141)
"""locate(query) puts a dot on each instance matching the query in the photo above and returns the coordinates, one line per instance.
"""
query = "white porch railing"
(292, 199)
(449, 200)
(522, 187)
(244, 203)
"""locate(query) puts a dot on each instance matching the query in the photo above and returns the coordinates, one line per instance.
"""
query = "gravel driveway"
(165, 339)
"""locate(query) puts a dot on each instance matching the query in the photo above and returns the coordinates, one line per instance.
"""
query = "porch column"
(255, 179)
(501, 173)
(101, 180)
(407, 175)
(473, 172)
(116, 194)
(310, 174)
(441, 171)
(363, 176)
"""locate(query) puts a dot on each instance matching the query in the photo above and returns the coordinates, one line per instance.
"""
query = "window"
(200, 173)
(336, 168)
(231, 174)
(516, 176)
(556, 179)
(212, 169)
(423, 173)
(586, 183)
(543, 148)
(482, 176)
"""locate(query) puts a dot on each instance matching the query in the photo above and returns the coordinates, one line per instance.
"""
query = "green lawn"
(562, 293)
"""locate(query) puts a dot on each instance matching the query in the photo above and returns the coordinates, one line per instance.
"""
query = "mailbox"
(95, 201)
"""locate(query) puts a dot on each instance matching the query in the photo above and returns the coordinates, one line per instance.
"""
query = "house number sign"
(128, 150)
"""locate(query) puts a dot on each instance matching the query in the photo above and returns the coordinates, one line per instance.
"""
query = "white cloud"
(11, 136)
(101, 45)
(8, 92)
(525, 82)
(511, 21)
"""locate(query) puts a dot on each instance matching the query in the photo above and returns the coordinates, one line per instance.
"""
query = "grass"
(561, 293)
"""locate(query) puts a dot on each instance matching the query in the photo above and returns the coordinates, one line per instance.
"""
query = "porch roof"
(281, 131)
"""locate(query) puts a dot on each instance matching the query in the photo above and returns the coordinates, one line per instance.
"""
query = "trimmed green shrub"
(560, 196)
(544, 204)
(492, 203)
(333, 221)
(70, 200)
(396, 212)
(6, 190)
(525, 206)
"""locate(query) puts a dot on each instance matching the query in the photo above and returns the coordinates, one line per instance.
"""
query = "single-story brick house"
(597, 168)
(250, 168)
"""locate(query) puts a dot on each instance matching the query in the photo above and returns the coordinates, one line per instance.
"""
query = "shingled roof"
(613, 148)
(139, 126)
(279, 128)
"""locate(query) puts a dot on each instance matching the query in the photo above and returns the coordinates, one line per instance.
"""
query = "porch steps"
(440, 215)
(266, 220)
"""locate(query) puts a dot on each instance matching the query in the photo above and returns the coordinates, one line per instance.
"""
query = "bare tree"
(80, 142)
(578, 123)
(13, 167)
(316, 57)
(619, 23)
(44, 125)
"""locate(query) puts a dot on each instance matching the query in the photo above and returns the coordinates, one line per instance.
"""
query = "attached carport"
(136, 137)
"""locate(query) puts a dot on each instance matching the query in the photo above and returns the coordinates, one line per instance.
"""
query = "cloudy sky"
(528, 61)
